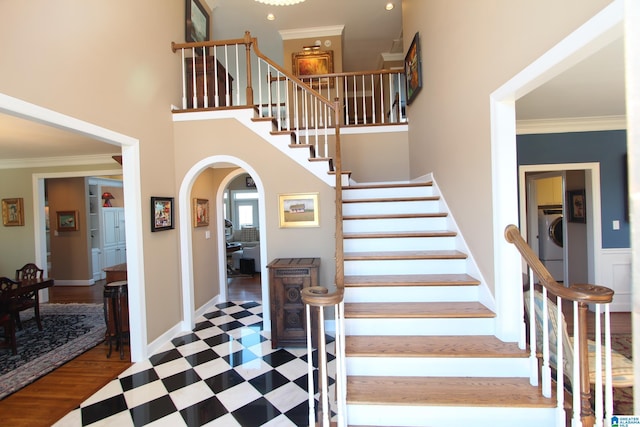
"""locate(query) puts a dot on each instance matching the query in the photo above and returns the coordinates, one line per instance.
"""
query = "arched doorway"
(190, 312)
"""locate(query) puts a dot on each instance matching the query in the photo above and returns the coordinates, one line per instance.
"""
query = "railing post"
(247, 44)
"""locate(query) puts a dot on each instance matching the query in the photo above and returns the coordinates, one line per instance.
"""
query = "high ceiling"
(593, 88)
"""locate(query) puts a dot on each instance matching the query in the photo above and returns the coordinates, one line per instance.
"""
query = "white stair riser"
(384, 208)
(386, 193)
(406, 327)
(400, 244)
(448, 416)
(411, 294)
(438, 367)
(421, 266)
(395, 224)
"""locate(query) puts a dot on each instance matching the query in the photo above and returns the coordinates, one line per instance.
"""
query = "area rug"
(622, 397)
(67, 331)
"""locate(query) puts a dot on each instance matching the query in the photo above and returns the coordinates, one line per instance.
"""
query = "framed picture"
(577, 206)
(298, 210)
(200, 212)
(197, 22)
(249, 182)
(161, 213)
(313, 62)
(12, 212)
(413, 69)
(67, 220)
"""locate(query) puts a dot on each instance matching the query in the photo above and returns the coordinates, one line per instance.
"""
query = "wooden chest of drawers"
(287, 276)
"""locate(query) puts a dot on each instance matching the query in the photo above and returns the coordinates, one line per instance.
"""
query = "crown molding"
(303, 33)
(98, 159)
(571, 124)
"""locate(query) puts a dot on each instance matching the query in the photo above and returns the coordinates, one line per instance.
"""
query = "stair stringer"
(264, 129)
(485, 296)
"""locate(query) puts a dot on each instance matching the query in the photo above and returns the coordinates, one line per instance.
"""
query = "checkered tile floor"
(223, 373)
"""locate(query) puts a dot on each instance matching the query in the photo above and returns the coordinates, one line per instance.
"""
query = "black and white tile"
(223, 373)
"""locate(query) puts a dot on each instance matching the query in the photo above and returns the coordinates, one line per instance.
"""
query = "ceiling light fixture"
(280, 2)
(389, 6)
(271, 17)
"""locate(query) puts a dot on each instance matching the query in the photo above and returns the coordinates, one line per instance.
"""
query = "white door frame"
(131, 177)
(599, 31)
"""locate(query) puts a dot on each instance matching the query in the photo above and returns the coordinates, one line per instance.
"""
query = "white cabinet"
(114, 247)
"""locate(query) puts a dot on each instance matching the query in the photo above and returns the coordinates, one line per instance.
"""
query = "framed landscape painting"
(298, 210)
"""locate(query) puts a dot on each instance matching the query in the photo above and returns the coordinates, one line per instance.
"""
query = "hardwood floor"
(51, 397)
(48, 399)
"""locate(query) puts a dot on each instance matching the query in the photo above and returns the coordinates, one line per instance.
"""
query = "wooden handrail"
(583, 295)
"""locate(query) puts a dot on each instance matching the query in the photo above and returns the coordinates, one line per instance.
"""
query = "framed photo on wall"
(200, 212)
(197, 23)
(67, 220)
(298, 210)
(312, 63)
(161, 213)
(413, 69)
(12, 212)
(577, 206)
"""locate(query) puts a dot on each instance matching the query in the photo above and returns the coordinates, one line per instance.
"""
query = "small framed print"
(249, 182)
(12, 212)
(577, 206)
(162, 213)
(67, 220)
(200, 212)
(299, 210)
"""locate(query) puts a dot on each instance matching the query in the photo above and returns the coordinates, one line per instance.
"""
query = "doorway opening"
(543, 200)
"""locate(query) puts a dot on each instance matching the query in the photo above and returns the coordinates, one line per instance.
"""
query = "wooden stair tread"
(404, 255)
(402, 234)
(416, 310)
(475, 346)
(396, 216)
(445, 391)
(411, 280)
(364, 186)
(394, 199)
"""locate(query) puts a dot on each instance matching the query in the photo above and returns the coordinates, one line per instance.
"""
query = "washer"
(551, 240)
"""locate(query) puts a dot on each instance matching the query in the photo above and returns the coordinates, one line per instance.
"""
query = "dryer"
(550, 239)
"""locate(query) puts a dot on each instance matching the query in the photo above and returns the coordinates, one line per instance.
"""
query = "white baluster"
(322, 363)
(575, 382)
(560, 414)
(205, 82)
(546, 368)
(216, 89)
(608, 367)
(599, 409)
(184, 81)
(310, 388)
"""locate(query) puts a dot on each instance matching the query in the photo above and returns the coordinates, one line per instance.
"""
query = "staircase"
(420, 345)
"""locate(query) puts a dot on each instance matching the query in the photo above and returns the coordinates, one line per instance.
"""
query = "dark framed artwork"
(67, 220)
(577, 206)
(249, 182)
(12, 212)
(313, 62)
(197, 22)
(200, 212)
(161, 213)
(413, 69)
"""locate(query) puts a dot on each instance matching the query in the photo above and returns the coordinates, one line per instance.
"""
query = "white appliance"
(550, 239)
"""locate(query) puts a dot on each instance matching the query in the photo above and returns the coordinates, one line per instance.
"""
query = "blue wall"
(609, 148)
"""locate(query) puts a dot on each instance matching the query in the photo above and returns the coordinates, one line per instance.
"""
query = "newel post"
(247, 45)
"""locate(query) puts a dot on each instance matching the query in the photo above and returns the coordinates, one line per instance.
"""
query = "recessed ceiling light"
(389, 6)
(271, 17)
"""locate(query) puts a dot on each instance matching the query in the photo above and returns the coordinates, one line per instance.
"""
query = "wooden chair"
(28, 300)
(6, 319)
